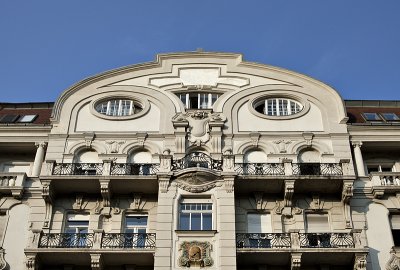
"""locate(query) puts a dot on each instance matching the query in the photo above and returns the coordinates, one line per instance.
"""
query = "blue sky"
(46, 46)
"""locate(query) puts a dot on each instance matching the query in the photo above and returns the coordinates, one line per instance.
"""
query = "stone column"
(359, 158)
(39, 157)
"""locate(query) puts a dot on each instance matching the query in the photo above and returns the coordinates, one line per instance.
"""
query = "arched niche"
(86, 156)
(255, 156)
(309, 155)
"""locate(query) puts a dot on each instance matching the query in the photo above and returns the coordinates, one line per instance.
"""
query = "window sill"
(195, 232)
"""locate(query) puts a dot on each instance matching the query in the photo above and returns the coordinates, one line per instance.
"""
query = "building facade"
(200, 160)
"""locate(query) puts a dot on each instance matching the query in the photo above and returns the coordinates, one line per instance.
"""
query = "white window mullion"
(266, 106)
(209, 101)
(108, 108)
(187, 101)
(288, 106)
(130, 107)
(119, 108)
(277, 106)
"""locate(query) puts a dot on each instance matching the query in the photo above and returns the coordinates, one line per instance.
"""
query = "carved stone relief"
(199, 129)
(195, 253)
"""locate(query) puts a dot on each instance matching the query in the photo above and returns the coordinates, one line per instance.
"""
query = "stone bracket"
(105, 192)
(163, 183)
(295, 261)
(47, 196)
(96, 261)
(258, 196)
(360, 261)
(347, 194)
(287, 198)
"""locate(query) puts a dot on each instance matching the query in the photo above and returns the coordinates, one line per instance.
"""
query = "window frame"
(378, 116)
(273, 100)
(208, 97)
(197, 201)
(144, 104)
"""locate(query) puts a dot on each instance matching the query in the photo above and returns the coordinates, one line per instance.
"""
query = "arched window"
(140, 157)
(309, 156)
(255, 156)
(88, 156)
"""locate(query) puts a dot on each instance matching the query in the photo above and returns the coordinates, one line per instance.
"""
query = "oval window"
(118, 107)
(278, 106)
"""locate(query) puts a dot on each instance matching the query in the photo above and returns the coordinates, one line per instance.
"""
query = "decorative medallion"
(195, 253)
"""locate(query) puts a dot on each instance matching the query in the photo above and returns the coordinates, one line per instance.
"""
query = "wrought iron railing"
(66, 240)
(317, 169)
(326, 240)
(129, 240)
(78, 169)
(197, 159)
(260, 168)
(134, 168)
(263, 240)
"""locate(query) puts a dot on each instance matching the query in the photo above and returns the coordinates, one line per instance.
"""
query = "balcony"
(385, 183)
(308, 177)
(134, 168)
(77, 169)
(115, 249)
(129, 240)
(330, 248)
(66, 240)
(12, 184)
(324, 169)
(196, 160)
(260, 168)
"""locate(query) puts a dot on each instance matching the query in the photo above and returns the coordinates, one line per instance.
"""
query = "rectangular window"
(390, 116)
(195, 216)
(135, 231)
(256, 224)
(76, 230)
(395, 226)
(372, 117)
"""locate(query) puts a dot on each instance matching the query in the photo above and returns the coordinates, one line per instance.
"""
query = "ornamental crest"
(199, 128)
(195, 253)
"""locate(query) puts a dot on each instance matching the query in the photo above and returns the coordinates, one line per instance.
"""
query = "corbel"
(360, 261)
(163, 183)
(31, 261)
(255, 138)
(295, 259)
(47, 196)
(78, 202)
(96, 261)
(258, 196)
(105, 194)
(288, 196)
(316, 203)
(137, 200)
(308, 137)
(89, 138)
(347, 194)
(141, 138)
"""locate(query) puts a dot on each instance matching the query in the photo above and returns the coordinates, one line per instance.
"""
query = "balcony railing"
(78, 169)
(385, 178)
(129, 240)
(134, 168)
(196, 159)
(66, 240)
(323, 169)
(263, 240)
(326, 240)
(260, 168)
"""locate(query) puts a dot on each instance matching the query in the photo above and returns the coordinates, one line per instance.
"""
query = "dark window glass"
(372, 117)
(9, 118)
(184, 222)
(390, 117)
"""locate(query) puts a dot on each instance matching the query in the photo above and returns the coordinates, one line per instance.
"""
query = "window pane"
(372, 117)
(390, 116)
(184, 221)
(27, 118)
(207, 221)
(136, 221)
(196, 221)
